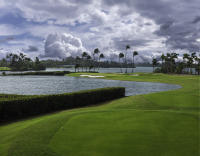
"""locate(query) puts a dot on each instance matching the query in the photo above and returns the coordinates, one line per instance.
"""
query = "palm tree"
(135, 53)
(9, 56)
(162, 60)
(197, 68)
(167, 62)
(77, 63)
(185, 59)
(96, 52)
(101, 56)
(154, 63)
(88, 62)
(121, 55)
(190, 63)
(127, 47)
(84, 55)
(193, 55)
(172, 61)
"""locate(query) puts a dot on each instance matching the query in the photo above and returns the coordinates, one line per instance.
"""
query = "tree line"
(90, 63)
(87, 62)
(20, 62)
(170, 63)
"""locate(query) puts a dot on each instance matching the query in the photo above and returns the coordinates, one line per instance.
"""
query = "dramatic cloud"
(148, 26)
(32, 48)
(62, 46)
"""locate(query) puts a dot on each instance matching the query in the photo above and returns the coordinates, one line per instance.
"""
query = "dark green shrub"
(24, 106)
(157, 70)
(53, 73)
(4, 73)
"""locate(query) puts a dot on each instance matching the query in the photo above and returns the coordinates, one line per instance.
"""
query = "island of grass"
(165, 123)
(5, 69)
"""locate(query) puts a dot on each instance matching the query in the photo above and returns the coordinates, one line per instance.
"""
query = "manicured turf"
(158, 124)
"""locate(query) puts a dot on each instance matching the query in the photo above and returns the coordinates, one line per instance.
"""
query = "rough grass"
(158, 124)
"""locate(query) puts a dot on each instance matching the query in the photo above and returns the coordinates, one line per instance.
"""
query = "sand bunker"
(92, 76)
(135, 75)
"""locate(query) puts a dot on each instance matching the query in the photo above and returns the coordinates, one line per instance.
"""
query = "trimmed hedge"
(53, 73)
(22, 107)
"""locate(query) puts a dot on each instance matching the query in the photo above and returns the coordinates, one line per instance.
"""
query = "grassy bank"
(5, 69)
(165, 123)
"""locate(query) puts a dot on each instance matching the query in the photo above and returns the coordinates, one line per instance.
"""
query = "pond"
(37, 85)
(101, 70)
(109, 70)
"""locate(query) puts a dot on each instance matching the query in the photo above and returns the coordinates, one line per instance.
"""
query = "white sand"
(135, 75)
(92, 76)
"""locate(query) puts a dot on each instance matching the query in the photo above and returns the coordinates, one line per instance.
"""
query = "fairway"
(157, 124)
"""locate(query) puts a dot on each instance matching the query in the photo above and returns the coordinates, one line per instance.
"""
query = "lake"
(37, 85)
(109, 70)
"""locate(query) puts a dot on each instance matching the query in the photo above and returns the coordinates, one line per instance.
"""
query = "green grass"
(4, 69)
(158, 124)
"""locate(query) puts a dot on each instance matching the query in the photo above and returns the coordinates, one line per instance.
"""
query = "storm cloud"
(148, 26)
(32, 48)
(62, 46)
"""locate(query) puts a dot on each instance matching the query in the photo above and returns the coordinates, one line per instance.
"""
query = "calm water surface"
(36, 85)
(109, 70)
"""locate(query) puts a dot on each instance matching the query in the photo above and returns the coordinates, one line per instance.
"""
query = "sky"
(57, 29)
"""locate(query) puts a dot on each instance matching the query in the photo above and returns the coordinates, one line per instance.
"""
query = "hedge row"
(53, 73)
(34, 105)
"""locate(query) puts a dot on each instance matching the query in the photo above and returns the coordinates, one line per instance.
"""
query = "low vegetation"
(25, 106)
(53, 73)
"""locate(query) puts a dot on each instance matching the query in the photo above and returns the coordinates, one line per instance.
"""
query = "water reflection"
(36, 85)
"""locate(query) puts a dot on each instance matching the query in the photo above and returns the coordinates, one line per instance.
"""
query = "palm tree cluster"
(123, 59)
(87, 62)
(21, 62)
(171, 64)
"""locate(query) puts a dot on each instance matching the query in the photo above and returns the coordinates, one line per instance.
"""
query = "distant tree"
(154, 63)
(88, 62)
(20, 62)
(38, 64)
(37, 61)
(186, 59)
(179, 67)
(197, 66)
(173, 58)
(162, 61)
(135, 53)
(190, 63)
(3, 63)
(84, 56)
(77, 65)
(125, 56)
(101, 56)
(96, 52)
(121, 55)
(193, 56)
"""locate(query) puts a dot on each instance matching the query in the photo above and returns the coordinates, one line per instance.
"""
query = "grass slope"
(158, 124)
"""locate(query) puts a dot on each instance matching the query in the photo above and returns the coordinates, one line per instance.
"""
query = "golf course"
(157, 124)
